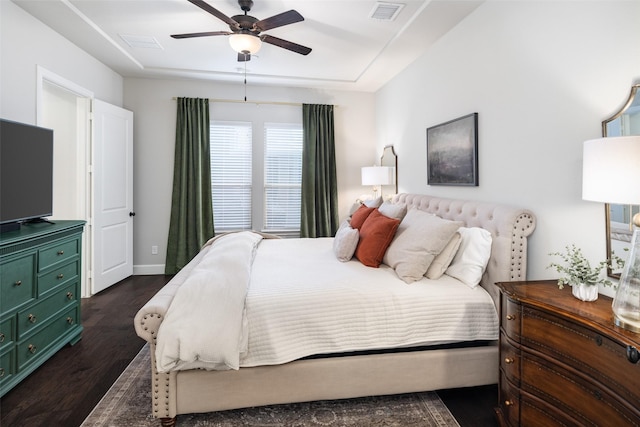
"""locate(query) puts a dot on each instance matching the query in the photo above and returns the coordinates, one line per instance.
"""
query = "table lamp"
(377, 176)
(611, 174)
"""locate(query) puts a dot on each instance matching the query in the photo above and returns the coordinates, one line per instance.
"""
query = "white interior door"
(112, 175)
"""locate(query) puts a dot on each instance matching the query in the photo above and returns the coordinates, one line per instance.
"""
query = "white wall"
(154, 136)
(26, 43)
(542, 76)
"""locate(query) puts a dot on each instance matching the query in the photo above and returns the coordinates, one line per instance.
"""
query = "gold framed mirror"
(618, 218)
(390, 159)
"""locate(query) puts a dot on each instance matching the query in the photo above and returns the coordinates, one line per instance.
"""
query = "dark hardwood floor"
(473, 406)
(64, 390)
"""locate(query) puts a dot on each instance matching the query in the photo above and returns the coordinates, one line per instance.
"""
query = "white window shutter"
(283, 176)
(231, 175)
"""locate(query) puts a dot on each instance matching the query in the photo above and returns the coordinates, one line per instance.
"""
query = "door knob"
(132, 214)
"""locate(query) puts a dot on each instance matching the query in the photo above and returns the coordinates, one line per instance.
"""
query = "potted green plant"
(576, 271)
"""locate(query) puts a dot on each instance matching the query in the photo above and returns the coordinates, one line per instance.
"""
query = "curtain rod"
(239, 101)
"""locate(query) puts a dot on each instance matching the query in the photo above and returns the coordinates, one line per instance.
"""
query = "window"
(277, 170)
(231, 185)
(283, 176)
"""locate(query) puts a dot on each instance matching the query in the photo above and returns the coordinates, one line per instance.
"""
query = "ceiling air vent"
(142, 42)
(385, 11)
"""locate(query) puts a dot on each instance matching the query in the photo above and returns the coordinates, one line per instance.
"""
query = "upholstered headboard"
(509, 227)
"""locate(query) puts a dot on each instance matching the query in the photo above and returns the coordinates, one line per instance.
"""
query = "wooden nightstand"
(563, 361)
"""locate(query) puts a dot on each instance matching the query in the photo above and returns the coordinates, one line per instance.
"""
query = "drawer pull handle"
(32, 349)
(60, 252)
(70, 320)
(60, 276)
(69, 295)
(511, 317)
(1, 337)
(632, 354)
(508, 360)
(18, 283)
(32, 318)
(508, 403)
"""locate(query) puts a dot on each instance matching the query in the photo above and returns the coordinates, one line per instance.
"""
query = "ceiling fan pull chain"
(245, 81)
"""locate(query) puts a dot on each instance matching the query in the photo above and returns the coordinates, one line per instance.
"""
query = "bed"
(458, 354)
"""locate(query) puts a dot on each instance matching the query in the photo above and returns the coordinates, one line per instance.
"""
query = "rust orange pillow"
(375, 236)
(359, 216)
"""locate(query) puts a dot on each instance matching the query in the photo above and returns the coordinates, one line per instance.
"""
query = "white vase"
(585, 292)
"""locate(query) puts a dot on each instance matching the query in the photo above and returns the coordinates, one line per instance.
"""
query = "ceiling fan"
(246, 37)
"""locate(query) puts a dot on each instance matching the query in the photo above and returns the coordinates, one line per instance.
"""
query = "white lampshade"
(611, 170)
(377, 175)
(611, 174)
(243, 43)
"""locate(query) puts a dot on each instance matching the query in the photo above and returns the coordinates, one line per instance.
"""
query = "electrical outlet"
(154, 250)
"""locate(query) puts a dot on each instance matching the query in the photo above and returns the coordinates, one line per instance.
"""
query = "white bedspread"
(303, 301)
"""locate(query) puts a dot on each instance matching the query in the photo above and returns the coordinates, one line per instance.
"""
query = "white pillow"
(392, 210)
(354, 208)
(373, 203)
(420, 237)
(343, 224)
(345, 243)
(472, 257)
(444, 258)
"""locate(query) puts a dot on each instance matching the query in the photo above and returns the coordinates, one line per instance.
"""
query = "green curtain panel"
(191, 222)
(319, 209)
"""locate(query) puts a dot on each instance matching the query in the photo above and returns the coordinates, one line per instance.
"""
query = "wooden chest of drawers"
(39, 296)
(563, 362)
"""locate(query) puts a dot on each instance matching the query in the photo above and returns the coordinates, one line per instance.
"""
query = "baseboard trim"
(145, 270)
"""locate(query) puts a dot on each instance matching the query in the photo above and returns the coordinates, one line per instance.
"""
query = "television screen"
(26, 172)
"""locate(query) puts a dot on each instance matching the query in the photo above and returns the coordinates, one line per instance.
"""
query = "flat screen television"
(26, 173)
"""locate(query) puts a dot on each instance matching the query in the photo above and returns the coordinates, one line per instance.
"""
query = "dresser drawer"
(17, 282)
(510, 359)
(31, 318)
(583, 349)
(58, 276)
(535, 412)
(509, 401)
(7, 332)
(57, 253)
(7, 365)
(39, 343)
(510, 313)
(579, 398)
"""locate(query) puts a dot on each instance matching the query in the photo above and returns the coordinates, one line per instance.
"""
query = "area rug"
(128, 404)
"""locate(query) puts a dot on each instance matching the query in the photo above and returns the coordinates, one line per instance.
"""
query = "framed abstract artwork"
(452, 152)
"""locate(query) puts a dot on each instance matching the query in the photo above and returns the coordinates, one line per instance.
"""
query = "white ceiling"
(350, 50)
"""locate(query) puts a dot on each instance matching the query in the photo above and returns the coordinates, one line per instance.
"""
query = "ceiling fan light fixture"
(245, 43)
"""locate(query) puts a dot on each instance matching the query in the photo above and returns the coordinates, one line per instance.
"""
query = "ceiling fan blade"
(205, 34)
(215, 12)
(284, 18)
(294, 47)
(244, 57)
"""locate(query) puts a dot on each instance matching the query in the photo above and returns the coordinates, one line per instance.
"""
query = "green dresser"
(40, 270)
